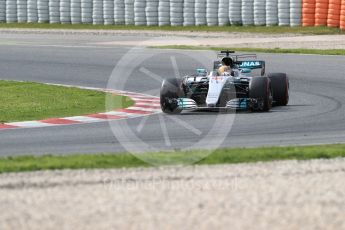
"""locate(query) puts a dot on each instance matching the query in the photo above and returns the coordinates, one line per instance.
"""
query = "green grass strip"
(257, 50)
(246, 29)
(24, 101)
(125, 160)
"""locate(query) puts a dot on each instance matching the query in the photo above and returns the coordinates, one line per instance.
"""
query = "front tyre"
(280, 88)
(171, 90)
(260, 89)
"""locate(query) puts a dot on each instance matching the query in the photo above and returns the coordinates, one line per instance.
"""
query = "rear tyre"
(260, 88)
(171, 89)
(280, 88)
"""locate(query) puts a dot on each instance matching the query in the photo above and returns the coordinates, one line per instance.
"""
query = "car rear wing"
(235, 57)
(252, 64)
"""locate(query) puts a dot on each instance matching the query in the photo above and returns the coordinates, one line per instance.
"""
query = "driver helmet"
(227, 61)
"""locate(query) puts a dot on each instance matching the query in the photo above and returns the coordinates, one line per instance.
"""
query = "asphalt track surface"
(315, 114)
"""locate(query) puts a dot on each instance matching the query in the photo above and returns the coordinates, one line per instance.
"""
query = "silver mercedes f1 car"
(245, 86)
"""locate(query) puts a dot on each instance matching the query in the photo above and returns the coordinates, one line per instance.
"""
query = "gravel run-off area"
(278, 195)
(199, 38)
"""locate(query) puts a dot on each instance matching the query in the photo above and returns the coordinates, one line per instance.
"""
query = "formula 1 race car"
(239, 88)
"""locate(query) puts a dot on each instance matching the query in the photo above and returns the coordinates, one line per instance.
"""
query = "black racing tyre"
(280, 88)
(260, 88)
(171, 89)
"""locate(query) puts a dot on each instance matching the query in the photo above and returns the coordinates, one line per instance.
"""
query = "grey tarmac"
(315, 114)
